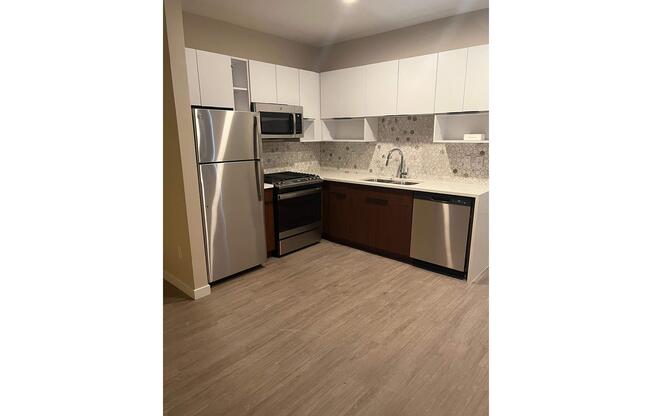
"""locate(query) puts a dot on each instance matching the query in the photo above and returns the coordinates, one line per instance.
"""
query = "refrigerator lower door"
(233, 217)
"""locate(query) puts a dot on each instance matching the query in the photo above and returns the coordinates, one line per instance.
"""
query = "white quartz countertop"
(269, 186)
(441, 187)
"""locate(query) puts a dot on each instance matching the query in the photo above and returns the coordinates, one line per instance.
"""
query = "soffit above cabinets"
(324, 22)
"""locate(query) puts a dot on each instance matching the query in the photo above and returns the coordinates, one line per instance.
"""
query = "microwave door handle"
(294, 124)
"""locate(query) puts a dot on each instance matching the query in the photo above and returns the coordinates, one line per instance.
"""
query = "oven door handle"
(297, 194)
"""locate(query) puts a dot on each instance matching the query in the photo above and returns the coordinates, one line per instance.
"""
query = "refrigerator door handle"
(259, 179)
(257, 142)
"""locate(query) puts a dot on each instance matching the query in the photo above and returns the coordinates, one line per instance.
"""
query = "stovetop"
(291, 179)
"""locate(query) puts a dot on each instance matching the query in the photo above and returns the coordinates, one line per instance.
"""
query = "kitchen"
(315, 170)
(293, 212)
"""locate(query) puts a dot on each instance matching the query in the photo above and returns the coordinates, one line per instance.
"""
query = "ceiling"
(323, 22)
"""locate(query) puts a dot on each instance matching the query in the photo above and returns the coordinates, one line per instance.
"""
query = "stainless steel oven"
(279, 121)
(297, 210)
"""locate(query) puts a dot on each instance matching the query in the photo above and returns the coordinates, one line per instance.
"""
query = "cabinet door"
(309, 93)
(287, 85)
(342, 93)
(387, 218)
(381, 84)
(262, 79)
(325, 215)
(328, 96)
(352, 92)
(339, 212)
(193, 76)
(476, 87)
(416, 85)
(269, 220)
(451, 73)
(215, 79)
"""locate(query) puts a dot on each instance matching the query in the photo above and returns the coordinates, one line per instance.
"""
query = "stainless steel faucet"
(401, 172)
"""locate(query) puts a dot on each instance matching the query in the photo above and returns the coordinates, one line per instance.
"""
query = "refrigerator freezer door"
(233, 217)
(225, 135)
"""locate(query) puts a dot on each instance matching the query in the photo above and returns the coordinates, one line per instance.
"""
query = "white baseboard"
(179, 284)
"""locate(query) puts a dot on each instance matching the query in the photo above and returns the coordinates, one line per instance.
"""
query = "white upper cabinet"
(416, 85)
(328, 99)
(262, 80)
(342, 93)
(381, 83)
(193, 76)
(215, 79)
(287, 85)
(476, 89)
(309, 94)
(451, 74)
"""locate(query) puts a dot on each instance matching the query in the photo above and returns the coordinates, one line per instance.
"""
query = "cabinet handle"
(377, 201)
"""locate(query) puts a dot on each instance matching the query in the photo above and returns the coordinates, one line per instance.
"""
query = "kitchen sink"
(379, 180)
(394, 181)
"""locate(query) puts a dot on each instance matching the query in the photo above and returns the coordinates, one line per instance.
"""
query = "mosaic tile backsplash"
(294, 156)
(463, 162)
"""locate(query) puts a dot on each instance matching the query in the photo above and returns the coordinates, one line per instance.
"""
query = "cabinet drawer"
(340, 190)
(385, 196)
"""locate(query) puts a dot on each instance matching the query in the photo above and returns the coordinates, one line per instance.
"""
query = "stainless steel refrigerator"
(231, 180)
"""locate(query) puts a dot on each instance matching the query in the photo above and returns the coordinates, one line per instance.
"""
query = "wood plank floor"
(329, 330)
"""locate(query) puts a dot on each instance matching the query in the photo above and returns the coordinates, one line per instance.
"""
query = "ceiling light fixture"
(349, 1)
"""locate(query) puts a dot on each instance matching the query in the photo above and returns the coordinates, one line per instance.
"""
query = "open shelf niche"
(311, 130)
(350, 129)
(239, 72)
(450, 128)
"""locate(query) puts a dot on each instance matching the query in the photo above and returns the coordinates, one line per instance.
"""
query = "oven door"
(298, 212)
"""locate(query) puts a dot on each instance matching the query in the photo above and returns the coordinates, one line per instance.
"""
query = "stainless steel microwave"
(279, 121)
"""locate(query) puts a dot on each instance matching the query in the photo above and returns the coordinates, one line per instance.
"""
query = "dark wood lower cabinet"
(387, 218)
(269, 221)
(374, 218)
(338, 208)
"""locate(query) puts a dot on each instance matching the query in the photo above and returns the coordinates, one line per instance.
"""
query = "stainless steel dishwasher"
(441, 231)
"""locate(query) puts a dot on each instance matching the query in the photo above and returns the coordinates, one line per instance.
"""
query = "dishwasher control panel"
(447, 199)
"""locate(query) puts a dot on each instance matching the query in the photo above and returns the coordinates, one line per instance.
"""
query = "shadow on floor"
(173, 295)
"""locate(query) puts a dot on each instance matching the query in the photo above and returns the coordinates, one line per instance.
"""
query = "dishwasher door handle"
(445, 199)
